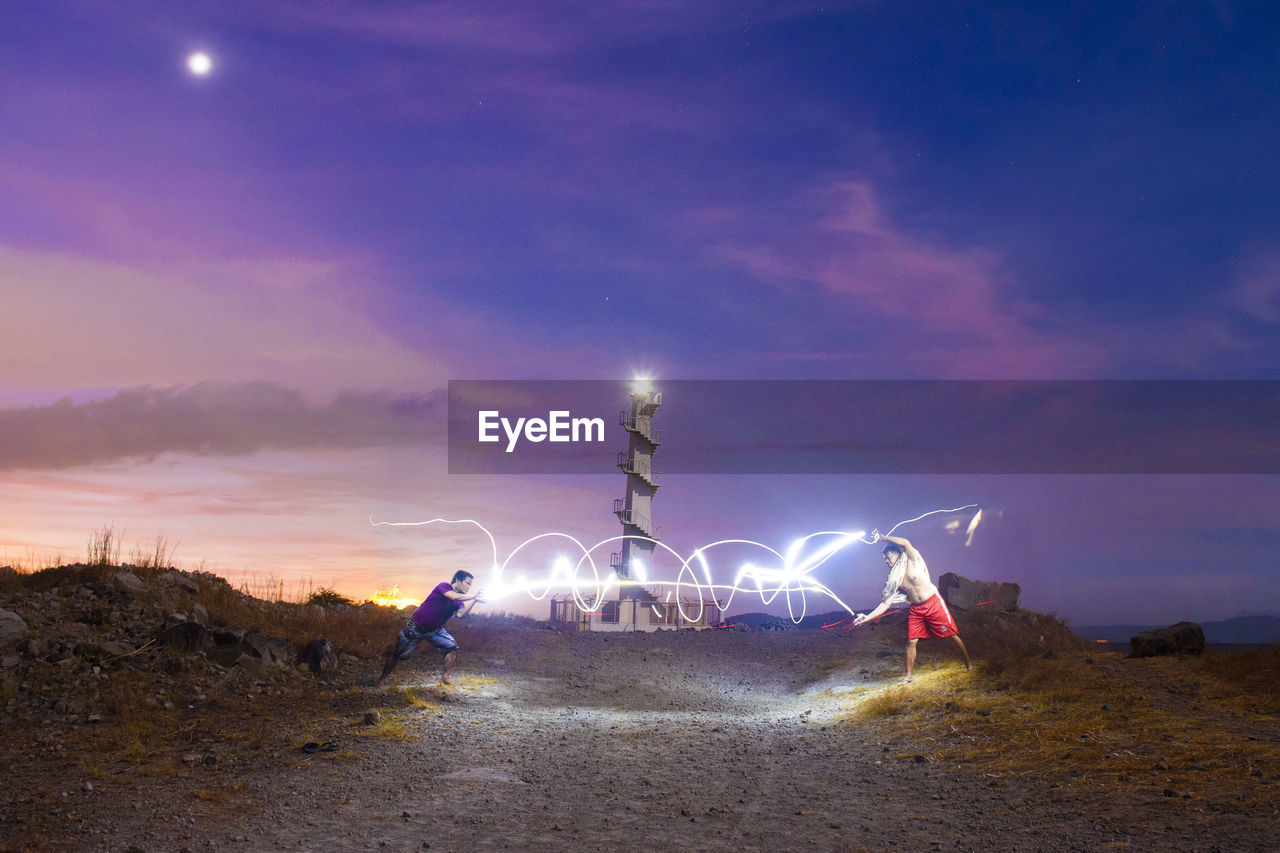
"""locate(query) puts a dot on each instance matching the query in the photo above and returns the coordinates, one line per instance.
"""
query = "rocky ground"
(714, 740)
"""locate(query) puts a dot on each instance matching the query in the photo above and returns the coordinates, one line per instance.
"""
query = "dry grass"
(363, 630)
(158, 556)
(421, 702)
(103, 550)
(102, 562)
(1200, 728)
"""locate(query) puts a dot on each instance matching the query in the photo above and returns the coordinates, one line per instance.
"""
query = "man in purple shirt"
(427, 623)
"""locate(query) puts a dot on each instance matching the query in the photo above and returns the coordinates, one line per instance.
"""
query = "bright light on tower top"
(642, 384)
(199, 63)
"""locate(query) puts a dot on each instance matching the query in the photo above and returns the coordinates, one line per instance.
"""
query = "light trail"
(789, 573)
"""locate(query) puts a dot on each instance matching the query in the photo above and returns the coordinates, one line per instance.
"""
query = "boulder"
(1184, 638)
(102, 651)
(175, 618)
(12, 628)
(130, 584)
(200, 614)
(180, 581)
(270, 649)
(183, 636)
(965, 594)
(318, 655)
(227, 655)
(229, 636)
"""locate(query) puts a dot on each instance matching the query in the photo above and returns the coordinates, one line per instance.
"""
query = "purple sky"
(231, 303)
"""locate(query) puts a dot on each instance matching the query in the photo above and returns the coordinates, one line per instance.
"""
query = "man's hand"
(875, 536)
(859, 619)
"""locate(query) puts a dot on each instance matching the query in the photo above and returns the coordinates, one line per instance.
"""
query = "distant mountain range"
(764, 621)
(1242, 629)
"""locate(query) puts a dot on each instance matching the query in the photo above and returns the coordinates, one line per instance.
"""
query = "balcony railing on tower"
(638, 520)
(641, 426)
(640, 467)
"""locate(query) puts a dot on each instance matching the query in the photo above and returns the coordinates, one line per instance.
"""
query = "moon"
(199, 63)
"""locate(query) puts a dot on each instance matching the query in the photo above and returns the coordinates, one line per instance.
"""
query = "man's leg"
(392, 660)
(968, 664)
(406, 642)
(448, 666)
(911, 659)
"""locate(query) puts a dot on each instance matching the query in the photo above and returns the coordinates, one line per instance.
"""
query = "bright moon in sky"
(199, 64)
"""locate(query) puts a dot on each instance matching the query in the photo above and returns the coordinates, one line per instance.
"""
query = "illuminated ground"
(707, 741)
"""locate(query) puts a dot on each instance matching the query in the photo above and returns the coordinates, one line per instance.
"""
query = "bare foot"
(444, 679)
(905, 680)
(381, 685)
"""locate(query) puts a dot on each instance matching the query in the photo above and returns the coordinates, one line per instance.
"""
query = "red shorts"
(930, 618)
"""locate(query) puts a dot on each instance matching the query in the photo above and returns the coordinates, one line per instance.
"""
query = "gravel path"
(704, 741)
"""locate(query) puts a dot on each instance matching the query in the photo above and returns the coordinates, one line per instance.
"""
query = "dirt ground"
(715, 740)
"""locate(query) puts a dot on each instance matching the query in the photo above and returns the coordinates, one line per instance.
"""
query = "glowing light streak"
(789, 574)
(973, 525)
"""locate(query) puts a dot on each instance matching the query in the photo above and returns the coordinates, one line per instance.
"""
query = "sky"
(232, 302)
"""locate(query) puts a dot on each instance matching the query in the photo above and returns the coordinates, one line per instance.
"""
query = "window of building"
(662, 614)
(610, 611)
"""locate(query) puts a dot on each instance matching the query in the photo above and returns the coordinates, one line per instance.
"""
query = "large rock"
(1184, 638)
(130, 584)
(318, 655)
(965, 594)
(12, 628)
(229, 635)
(102, 651)
(180, 581)
(184, 636)
(270, 650)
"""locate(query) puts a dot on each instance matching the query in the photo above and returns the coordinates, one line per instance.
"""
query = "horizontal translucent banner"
(866, 427)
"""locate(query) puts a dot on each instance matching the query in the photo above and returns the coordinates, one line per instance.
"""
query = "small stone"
(88, 786)
(372, 717)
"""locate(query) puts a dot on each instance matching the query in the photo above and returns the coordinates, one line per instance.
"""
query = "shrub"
(327, 597)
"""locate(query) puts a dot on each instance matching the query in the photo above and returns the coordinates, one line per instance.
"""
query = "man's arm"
(889, 601)
(906, 545)
(470, 604)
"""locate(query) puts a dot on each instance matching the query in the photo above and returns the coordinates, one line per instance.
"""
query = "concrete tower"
(635, 510)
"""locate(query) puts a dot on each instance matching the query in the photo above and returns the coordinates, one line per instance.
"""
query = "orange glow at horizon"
(393, 598)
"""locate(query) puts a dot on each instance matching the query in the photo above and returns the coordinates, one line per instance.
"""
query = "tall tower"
(635, 510)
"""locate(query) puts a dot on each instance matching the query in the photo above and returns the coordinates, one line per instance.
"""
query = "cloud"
(76, 322)
(935, 309)
(211, 419)
(534, 30)
(1257, 293)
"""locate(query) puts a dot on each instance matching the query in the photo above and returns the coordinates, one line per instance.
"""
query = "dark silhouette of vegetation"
(326, 597)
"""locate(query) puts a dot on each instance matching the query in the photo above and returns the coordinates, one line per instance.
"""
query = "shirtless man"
(909, 581)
